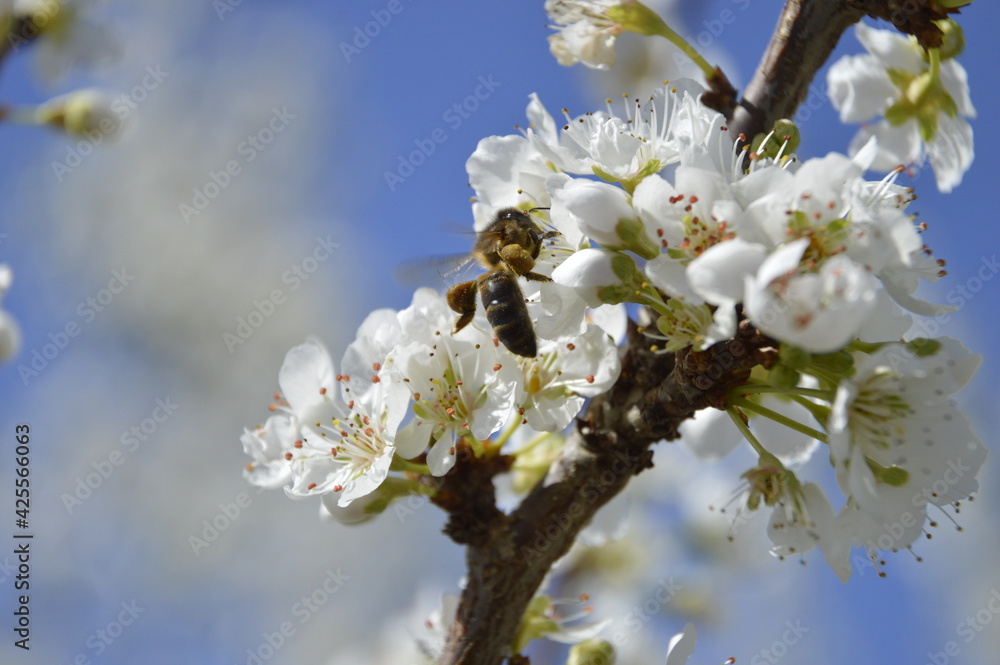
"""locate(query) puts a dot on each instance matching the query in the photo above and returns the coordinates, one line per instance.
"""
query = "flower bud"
(80, 113)
(952, 40)
(592, 652)
(783, 139)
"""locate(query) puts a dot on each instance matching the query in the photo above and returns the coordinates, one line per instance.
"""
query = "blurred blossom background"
(285, 118)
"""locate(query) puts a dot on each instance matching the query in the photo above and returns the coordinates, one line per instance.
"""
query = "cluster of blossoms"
(682, 218)
(921, 95)
(662, 207)
(407, 395)
(816, 257)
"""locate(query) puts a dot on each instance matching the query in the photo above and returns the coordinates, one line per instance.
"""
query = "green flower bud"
(784, 138)
(592, 652)
(633, 236)
(953, 40)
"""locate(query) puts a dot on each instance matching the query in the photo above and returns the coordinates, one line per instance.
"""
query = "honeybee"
(507, 249)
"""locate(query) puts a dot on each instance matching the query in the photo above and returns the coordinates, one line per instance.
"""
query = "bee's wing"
(433, 271)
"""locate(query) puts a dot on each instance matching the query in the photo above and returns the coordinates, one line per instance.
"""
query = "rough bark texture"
(509, 555)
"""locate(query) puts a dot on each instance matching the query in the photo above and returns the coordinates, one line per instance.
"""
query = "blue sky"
(441, 75)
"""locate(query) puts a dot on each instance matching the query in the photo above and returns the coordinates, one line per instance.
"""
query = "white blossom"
(644, 140)
(588, 271)
(803, 519)
(924, 110)
(563, 374)
(898, 442)
(586, 33)
(818, 312)
(462, 384)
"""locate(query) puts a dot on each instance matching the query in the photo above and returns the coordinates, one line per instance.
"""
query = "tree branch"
(806, 34)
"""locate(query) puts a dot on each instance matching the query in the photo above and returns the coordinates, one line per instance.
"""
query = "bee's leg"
(535, 277)
(518, 259)
(462, 299)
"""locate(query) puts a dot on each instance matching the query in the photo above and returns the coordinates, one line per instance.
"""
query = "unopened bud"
(783, 139)
(592, 652)
(80, 113)
(634, 238)
(952, 39)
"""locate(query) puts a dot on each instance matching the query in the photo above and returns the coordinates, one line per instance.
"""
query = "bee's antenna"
(534, 209)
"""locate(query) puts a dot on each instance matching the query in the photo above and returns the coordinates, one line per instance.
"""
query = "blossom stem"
(737, 419)
(934, 59)
(665, 31)
(818, 411)
(747, 405)
(506, 434)
(476, 445)
(534, 443)
(825, 378)
(400, 464)
(759, 388)
(400, 486)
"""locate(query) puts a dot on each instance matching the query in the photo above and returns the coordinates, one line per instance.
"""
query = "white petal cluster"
(898, 442)
(922, 111)
(324, 440)
(660, 206)
(585, 32)
(410, 389)
(810, 250)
